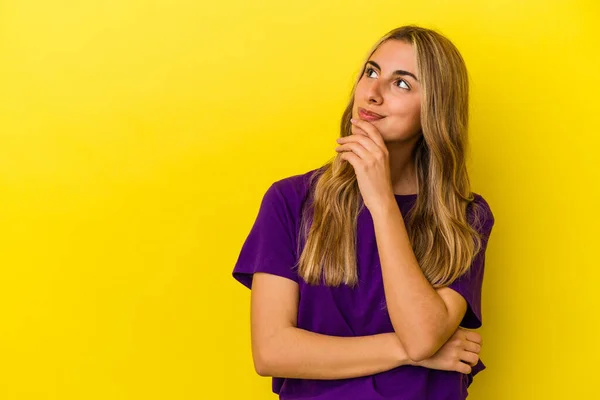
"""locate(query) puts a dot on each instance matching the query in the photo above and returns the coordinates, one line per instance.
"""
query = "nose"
(373, 93)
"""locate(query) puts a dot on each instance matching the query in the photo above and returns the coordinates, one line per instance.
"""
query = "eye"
(368, 71)
(405, 84)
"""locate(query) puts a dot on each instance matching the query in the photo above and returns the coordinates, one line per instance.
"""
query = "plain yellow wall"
(138, 137)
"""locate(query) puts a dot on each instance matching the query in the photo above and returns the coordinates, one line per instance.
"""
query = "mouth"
(368, 115)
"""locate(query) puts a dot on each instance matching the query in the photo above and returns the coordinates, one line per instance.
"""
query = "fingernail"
(351, 119)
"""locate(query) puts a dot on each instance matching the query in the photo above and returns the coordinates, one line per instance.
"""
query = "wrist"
(384, 209)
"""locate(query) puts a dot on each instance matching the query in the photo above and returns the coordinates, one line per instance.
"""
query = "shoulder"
(284, 199)
(480, 215)
(295, 188)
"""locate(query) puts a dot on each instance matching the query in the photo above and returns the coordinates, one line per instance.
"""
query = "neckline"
(404, 196)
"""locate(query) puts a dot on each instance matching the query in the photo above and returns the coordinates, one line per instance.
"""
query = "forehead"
(395, 54)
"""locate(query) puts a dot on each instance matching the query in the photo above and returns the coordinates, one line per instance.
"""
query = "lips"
(368, 115)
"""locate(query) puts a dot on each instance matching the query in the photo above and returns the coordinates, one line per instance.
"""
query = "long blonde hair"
(443, 241)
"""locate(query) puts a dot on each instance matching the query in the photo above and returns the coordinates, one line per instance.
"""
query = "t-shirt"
(344, 311)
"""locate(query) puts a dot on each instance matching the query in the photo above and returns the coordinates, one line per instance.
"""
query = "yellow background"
(138, 137)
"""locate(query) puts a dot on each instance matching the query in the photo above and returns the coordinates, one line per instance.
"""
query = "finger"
(352, 158)
(356, 148)
(463, 367)
(474, 337)
(472, 346)
(469, 358)
(364, 141)
(371, 131)
(357, 131)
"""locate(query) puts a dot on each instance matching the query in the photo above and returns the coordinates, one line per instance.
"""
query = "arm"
(423, 318)
(281, 349)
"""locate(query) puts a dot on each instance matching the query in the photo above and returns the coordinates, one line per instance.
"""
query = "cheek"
(405, 121)
(405, 117)
(409, 114)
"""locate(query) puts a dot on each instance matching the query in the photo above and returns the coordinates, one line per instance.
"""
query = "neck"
(402, 167)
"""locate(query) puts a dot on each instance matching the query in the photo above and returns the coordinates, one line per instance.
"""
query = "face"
(393, 95)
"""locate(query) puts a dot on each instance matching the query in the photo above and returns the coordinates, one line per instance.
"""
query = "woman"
(365, 272)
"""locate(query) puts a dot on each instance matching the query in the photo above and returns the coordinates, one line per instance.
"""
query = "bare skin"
(280, 348)
(398, 99)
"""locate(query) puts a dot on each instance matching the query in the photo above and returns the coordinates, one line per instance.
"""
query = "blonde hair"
(443, 241)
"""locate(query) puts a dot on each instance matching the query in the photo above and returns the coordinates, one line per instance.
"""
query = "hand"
(459, 353)
(368, 154)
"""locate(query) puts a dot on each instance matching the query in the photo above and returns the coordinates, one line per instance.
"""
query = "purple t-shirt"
(342, 311)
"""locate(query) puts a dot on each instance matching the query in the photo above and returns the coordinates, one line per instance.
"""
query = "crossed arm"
(423, 317)
(279, 348)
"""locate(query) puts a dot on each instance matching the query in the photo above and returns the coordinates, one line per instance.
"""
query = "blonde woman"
(366, 271)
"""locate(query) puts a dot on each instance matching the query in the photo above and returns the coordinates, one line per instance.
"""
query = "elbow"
(419, 350)
(418, 345)
(263, 364)
(267, 354)
(418, 354)
(261, 369)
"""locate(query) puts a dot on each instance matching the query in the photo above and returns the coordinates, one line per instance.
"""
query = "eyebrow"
(397, 72)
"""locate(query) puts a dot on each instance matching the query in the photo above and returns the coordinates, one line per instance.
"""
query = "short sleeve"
(469, 285)
(270, 245)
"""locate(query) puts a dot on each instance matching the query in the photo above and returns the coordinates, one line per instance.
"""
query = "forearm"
(298, 353)
(416, 310)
